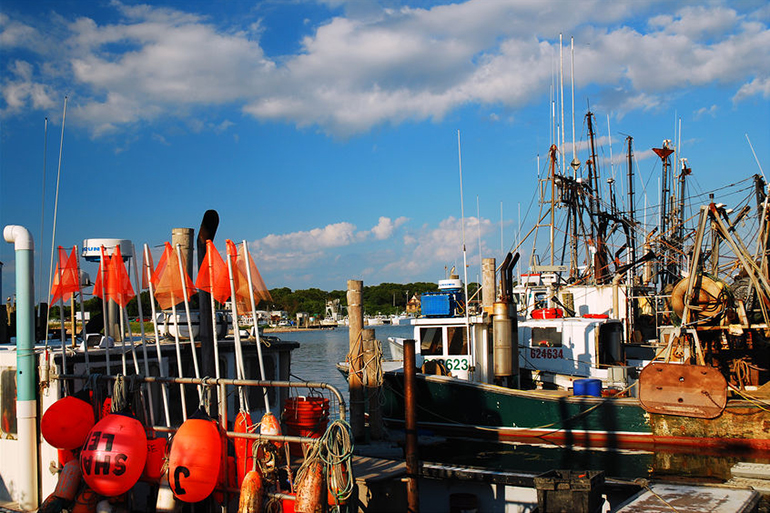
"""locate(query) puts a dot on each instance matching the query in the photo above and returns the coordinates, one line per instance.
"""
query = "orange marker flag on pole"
(168, 282)
(258, 285)
(66, 279)
(104, 265)
(119, 287)
(212, 276)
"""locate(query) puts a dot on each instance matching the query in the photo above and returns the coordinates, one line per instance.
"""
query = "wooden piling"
(373, 382)
(410, 425)
(355, 384)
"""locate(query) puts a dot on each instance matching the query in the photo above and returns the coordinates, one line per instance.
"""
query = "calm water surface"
(320, 350)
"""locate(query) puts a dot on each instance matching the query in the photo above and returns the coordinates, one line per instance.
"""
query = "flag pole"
(61, 319)
(82, 309)
(103, 272)
(247, 256)
(244, 403)
(164, 386)
(120, 274)
(178, 355)
(183, 277)
(145, 386)
(209, 260)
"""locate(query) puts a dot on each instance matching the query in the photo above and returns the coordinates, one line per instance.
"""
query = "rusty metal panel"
(680, 389)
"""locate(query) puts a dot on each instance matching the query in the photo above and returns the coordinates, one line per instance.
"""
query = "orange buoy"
(156, 454)
(243, 447)
(69, 481)
(114, 454)
(310, 489)
(195, 459)
(252, 493)
(66, 423)
(269, 426)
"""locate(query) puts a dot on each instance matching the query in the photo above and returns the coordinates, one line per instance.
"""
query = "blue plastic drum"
(592, 387)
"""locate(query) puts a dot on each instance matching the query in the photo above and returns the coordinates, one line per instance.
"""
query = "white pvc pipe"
(26, 492)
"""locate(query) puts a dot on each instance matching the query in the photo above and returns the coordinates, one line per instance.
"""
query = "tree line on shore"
(385, 299)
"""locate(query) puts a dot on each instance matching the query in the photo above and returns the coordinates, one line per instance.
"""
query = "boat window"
(546, 337)
(8, 400)
(430, 341)
(610, 344)
(458, 341)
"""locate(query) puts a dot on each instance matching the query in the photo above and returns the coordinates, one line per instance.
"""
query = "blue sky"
(325, 132)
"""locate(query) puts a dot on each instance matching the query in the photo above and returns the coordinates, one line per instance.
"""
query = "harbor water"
(320, 351)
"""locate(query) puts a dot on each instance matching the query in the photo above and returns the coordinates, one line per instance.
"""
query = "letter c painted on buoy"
(177, 484)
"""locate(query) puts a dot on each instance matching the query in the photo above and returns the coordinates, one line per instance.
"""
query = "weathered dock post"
(410, 425)
(372, 381)
(355, 384)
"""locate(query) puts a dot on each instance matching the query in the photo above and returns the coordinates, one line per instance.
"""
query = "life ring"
(548, 313)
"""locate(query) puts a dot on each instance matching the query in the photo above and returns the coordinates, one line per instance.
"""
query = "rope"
(753, 400)
(335, 450)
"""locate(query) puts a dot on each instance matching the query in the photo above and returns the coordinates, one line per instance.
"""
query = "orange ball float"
(194, 460)
(66, 423)
(114, 455)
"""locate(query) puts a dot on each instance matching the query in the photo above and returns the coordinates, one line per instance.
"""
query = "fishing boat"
(610, 349)
(85, 420)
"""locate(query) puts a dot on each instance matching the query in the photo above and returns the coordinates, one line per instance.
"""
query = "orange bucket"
(305, 416)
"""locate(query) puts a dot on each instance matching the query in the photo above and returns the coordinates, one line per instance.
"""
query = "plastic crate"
(570, 490)
(437, 304)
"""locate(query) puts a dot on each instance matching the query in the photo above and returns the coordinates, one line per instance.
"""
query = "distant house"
(413, 306)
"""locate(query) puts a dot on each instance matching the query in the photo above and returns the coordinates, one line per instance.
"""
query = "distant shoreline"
(290, 329)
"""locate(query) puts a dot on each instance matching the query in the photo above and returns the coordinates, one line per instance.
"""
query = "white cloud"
(442, 245)
(330, 236)
(374, 66)
(760, 86)
(386, 226)
(706, 111)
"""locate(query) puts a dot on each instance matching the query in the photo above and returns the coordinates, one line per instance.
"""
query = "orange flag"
(65, 281)
(167, 279)
(212, 276)
(104, 265)
(257, 283)
(239, 262)
(119, 287)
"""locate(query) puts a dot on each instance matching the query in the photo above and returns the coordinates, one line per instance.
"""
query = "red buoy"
(66, 423)
(114, 454)
(195, 459)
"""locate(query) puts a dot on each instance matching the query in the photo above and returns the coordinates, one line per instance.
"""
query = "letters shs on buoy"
(114, 454)
(66, 423)
(195, 458)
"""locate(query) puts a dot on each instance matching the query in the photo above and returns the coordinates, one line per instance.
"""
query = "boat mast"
(631, 219)
(471, 349)
(664, 154)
